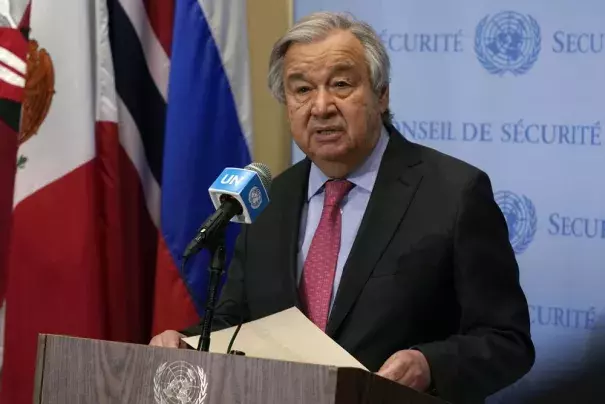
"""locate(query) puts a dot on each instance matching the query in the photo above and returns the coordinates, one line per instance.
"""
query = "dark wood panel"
(364, 388)
(88, 371)
(84, 371)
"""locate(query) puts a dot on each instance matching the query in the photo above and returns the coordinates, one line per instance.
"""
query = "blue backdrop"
(515, 88)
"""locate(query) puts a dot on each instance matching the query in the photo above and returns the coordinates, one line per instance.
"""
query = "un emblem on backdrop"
(521, 218)
(507, 42)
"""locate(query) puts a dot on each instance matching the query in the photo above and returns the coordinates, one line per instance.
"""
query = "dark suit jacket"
(431, 268)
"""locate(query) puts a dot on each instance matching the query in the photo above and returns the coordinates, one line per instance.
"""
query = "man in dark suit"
(398, 252)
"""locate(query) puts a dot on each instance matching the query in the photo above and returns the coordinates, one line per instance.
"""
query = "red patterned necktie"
(318, 272)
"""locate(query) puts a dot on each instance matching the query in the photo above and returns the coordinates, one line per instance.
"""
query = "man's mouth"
(329, 132)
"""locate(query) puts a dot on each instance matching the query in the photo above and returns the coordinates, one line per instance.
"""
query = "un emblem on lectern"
(521, 218)
(180, 383)
(507, 42)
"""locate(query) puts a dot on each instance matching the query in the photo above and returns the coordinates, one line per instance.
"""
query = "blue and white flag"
(208, 127)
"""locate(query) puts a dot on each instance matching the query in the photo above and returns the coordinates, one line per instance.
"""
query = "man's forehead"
(326, 55)
(334, 44)
(298, 70)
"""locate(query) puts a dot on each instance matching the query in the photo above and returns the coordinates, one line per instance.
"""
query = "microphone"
(238, 195)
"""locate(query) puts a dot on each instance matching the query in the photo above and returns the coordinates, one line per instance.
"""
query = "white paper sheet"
(287, 336)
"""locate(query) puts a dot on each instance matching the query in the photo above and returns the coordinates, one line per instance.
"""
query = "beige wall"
(267, 21)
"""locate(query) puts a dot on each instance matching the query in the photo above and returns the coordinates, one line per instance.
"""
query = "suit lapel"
(394, 189)
(292, 200)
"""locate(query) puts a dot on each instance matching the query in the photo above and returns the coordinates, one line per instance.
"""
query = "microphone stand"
(216, 247)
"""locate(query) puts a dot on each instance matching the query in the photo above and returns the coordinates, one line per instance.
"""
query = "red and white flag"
(89, 255)
(14, 23)
(84, 240)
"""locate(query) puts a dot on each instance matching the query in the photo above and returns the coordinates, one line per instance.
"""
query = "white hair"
(317, 26)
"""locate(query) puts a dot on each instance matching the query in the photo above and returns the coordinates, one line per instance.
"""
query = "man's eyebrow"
(342, 66)
(336, 68)
(295, 76)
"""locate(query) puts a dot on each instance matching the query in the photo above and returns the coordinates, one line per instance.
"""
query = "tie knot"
(336, 191)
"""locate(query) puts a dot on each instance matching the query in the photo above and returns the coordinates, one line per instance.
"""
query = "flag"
(13, 74)
(83, 241)
(141, 40)
(208, 128)
(13, 69)
(113, 183)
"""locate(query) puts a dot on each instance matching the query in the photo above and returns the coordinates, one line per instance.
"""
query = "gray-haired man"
(397, 251)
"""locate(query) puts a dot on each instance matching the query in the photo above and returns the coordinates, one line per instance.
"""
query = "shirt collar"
(363, 177)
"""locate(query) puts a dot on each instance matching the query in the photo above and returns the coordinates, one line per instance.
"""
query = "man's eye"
(341, 84)
(302, 90)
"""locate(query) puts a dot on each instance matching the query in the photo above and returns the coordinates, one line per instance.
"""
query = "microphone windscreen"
(263, 172)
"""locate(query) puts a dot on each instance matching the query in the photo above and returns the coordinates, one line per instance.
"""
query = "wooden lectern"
(76, 370)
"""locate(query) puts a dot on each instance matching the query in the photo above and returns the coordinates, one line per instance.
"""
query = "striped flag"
(208, 128)
(143, 103)
(141, 38)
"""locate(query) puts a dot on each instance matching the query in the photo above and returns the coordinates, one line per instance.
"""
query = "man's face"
(333, 111)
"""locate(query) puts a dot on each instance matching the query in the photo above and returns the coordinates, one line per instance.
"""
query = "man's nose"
(323, 103)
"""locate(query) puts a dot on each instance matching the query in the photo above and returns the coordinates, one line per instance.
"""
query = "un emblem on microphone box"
(180, 383)
(255, 197)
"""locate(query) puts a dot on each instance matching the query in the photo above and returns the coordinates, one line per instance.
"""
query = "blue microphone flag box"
(243, 185)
